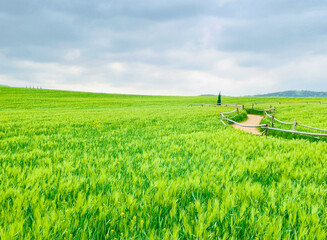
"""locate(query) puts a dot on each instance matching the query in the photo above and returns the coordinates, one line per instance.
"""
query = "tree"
(219, 99)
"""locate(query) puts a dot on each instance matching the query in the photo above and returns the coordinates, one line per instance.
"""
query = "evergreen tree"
(219, 99)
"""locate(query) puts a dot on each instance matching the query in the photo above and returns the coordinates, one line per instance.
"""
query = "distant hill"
(294, 94)
(208, 95)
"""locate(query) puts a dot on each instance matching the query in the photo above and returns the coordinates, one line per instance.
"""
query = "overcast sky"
(168, 47)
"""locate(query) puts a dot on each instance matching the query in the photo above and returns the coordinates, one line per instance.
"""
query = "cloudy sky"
(168, 47)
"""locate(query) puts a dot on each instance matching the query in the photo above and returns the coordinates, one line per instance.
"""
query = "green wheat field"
(106, 166)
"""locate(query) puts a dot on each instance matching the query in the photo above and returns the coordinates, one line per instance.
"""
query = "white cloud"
(171, 47)
(72, 54)
(116, 66)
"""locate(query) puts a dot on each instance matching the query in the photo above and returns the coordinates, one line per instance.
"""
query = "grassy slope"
(155, 168)
(21, 98)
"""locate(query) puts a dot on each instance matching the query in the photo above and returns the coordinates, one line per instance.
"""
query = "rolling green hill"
(102, 166)
(294, 94)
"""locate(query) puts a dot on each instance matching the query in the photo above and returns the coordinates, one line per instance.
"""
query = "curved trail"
(252, 120)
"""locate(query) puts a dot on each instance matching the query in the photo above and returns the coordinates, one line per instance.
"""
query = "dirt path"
(252, 120)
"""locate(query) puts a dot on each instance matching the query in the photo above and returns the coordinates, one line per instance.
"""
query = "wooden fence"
(266, 127)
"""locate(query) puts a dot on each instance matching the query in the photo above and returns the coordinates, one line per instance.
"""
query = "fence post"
(237, 110)
(266, 130)
(272, 120)
(243, 107)
(252, 106)
(294, 125)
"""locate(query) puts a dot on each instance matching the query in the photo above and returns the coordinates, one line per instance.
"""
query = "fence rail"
(242, 125)
(295, 123)
(298, 132)
(318, 129)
